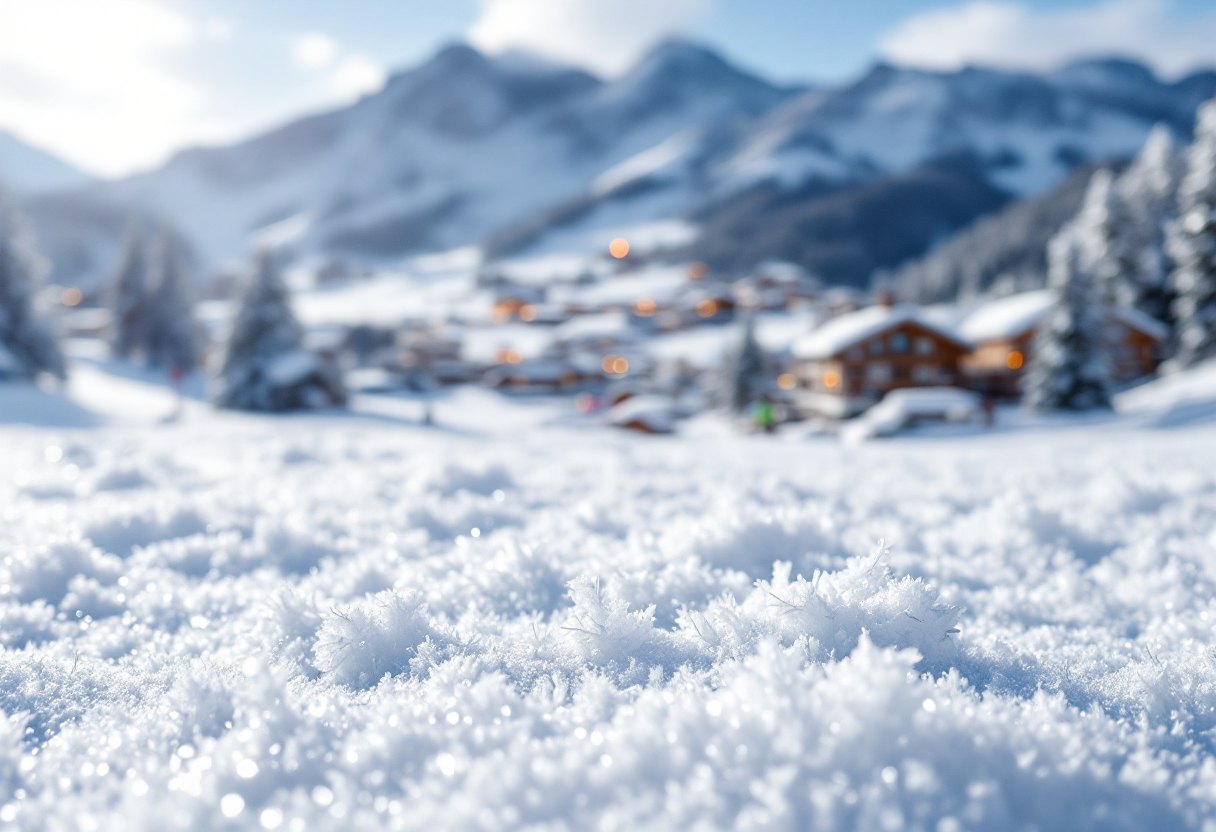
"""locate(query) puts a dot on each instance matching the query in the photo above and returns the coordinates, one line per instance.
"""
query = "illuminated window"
(644, 307)
(619, 248)
(831, 379)
(1015, 360)
(707, 308)
(786, 381)
(527, 312)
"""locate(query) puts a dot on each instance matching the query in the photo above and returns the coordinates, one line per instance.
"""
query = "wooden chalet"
(851, 361)
(1003, 332)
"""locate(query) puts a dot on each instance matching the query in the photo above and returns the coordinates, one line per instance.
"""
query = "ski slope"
(518, 618)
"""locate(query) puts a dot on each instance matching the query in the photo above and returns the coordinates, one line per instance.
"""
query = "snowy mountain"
(522, 156)
(443, 155)
(28, 170)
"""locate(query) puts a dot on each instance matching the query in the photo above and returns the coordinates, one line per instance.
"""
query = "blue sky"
(117, 85)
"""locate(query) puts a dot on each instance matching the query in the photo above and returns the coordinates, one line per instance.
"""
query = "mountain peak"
(1106, 72)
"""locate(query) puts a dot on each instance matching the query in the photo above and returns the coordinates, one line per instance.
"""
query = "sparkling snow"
(520, 618)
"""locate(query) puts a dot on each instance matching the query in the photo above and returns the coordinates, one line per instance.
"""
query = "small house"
(776, 285)
(1003, 332)
(851, 361)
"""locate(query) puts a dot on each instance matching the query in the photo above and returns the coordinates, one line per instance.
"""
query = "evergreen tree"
(129, 299)
(265, 366)
(1191, 243)
(170, 329)
(743, 369)
(1147, 192)
(27, 344)
(1068, 369)
(1096, 232)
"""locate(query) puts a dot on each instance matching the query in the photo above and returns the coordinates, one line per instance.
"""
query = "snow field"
(312, 623)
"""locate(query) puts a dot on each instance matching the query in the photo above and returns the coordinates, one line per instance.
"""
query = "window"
(899, 343)
(924, 346)
(854, 354)
(878, 372)
(924, 374)
(875, 347)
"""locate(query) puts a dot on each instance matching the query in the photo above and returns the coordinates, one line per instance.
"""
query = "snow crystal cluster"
(308, 624)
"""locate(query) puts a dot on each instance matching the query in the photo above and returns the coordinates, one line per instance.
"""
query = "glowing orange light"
(619, 248)
(707, 308)
(831, 379)
(644, 307)
(698, 270)
(615, 364)
(500, 315)
(71, 296)
(786, 381)
(527, 312)
(506, 355)
(1014, 360)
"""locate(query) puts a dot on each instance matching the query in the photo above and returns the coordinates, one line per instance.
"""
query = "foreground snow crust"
(316, 623)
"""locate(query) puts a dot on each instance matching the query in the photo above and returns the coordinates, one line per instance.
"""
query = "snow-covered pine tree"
(1099, 233)
(265, 366)
(1191, 242)
(170, 329)
(129, 298)
(1147, 193)
(27, 344)
(743, 369)
(1068, 369)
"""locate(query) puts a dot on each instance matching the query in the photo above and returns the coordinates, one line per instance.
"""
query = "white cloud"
(605, 35)
(314, 51)
(347, 76)
(91, 79)
(1005, 33)
(355, 76)
(119, 85)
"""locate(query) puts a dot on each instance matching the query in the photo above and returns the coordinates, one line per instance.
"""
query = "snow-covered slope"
(513, 621)
(27, 170)
(1021, 133)
(445, 154)
(1028, 130)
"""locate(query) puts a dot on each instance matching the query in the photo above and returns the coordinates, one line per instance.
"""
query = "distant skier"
(762, 415)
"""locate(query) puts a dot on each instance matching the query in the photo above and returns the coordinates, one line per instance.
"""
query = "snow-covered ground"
(518, 618)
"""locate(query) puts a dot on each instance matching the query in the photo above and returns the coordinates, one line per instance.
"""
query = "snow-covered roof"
(660, 283)
(840, 333)
(291, 367)
(1006, 318)
(1143, 321)
(606, 325)
(653, 412)
(1012, 316)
